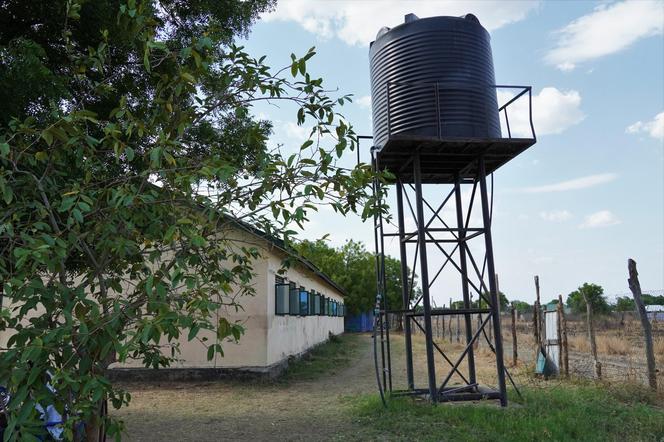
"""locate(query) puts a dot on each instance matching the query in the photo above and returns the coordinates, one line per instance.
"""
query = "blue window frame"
(293, 300)
(281, 298)
(304, 302)
(317, 304)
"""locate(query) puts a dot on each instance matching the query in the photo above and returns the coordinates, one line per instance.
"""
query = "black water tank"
(438, 59)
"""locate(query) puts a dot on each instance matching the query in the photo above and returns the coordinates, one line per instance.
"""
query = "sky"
(572, 208)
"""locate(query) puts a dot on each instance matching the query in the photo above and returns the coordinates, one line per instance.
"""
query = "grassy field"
(331, 396)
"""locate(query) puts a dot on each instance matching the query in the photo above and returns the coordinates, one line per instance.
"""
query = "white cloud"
(575, 184)
(292, 130)
(556, 216)
(654, 128)
(603, 218)
(356, 22)
(608, 29)
(553, 112)
(364, 102)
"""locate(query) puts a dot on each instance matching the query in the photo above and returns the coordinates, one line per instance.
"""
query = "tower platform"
(443, 158)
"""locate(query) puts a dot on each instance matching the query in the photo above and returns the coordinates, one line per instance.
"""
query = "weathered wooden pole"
(458, 329)
(536, 315)
(591, 337)
(635, 287)
(559, 333)
(564, 349)
(515, 353)
(442, 329)
(449, 323)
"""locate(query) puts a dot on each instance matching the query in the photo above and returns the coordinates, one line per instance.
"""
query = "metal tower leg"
(405, 290)
(500, 367)
(424, 275)
(464, 279)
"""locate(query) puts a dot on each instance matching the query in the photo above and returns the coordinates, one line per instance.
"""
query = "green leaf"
(210, 353)
(46, 135)
(294, 68)
(4, 149)
(7, 194)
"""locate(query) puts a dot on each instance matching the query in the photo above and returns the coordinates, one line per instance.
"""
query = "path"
(297, 410)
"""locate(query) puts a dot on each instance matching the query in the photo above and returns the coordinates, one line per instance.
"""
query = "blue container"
(359, 323)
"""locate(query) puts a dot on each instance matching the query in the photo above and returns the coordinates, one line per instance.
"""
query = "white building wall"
(268, 338)
(292, 335)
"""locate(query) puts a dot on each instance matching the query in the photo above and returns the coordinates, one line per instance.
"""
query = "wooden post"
(564, 349)
(515, 354)
(559, 332)
(538, 323)
(536, 314)
(449, 323)
(442, 329)
(635, 287)
(458, 329)
(591, 336)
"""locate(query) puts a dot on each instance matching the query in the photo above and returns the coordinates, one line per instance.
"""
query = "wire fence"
(619, 337)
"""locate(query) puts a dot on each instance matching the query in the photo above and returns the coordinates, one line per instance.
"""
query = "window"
(317, 304)
(323, 305)
(294, 301)
(334, 308)
(311, 311)
(304, 302)
(281, 293)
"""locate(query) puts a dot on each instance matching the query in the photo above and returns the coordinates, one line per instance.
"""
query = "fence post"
(536, 314)
(564, 349)
(591, 336)
(442, 329)
(559, 333)
(515, 354)
(635, 287)
(458, 329)
(449, 323)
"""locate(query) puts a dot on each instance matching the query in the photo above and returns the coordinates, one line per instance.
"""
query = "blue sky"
(590, 194)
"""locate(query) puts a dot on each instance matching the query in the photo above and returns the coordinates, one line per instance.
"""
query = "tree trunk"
(635, 287)
(564, 349)
(591, 337)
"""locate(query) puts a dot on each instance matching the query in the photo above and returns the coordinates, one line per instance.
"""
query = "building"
(655, 312)
(289, 314)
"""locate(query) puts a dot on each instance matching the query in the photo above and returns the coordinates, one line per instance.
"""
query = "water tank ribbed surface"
(444, 59)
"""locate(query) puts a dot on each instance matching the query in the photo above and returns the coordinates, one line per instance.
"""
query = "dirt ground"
(315, 409)
(293, 410)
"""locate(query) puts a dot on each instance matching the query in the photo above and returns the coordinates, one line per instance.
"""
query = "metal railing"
(439, 88)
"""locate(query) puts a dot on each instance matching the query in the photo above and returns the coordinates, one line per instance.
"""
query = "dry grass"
(613, 345)
(658, 345)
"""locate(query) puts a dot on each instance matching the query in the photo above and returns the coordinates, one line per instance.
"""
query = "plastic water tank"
(439, 72)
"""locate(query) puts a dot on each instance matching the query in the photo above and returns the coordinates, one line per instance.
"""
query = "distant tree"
(624, 304)
(522, 306)
(353, 267)
(553, 301)
(481, 302)
(594, 293)
(652, 299)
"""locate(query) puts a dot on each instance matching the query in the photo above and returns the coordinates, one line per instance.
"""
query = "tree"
(522, 306)
(127, 146)
(594, 293)
(354, 268)
(625, 304)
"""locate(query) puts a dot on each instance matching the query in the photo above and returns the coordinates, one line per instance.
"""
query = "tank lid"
(413, 24)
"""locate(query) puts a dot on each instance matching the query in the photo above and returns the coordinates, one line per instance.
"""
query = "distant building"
(655, 312)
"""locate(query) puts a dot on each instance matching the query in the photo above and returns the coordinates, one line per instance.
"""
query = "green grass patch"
(566, 412)
(324, 359)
